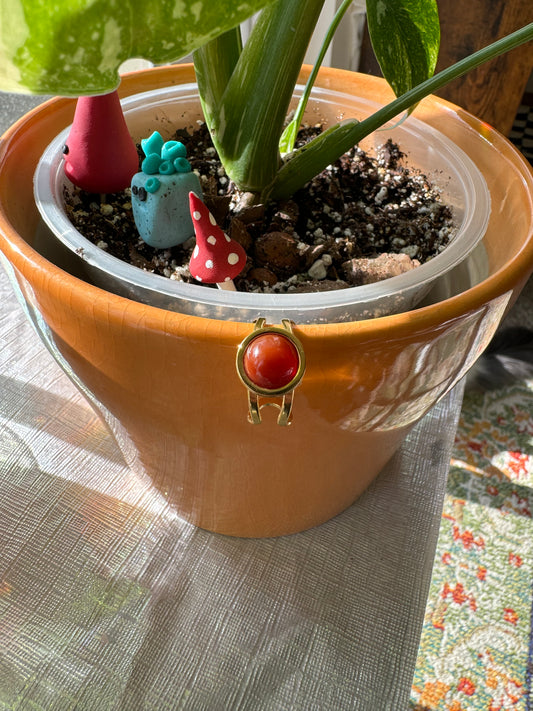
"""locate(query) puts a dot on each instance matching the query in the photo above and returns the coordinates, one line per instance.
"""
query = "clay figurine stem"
(227, 285)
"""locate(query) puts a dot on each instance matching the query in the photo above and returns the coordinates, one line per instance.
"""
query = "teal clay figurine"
(160, 193)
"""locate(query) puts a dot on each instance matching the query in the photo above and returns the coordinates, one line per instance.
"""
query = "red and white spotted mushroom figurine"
(216, 259)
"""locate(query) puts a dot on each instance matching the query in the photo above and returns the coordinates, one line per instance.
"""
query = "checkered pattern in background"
(522, 132)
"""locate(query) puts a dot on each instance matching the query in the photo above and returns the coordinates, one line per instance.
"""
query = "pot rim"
(500, 283)
(449, 165)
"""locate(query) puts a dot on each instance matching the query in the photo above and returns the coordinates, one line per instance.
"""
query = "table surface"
(108, 600)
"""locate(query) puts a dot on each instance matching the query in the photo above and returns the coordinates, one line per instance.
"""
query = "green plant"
(74, 47)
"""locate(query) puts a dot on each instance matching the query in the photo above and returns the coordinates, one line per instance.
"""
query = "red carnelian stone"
(271, 361)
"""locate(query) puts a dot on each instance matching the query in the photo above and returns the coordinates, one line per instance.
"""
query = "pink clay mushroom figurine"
(216, 259)
(100, 155)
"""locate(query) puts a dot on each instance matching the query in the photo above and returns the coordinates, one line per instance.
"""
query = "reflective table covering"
(109, 601)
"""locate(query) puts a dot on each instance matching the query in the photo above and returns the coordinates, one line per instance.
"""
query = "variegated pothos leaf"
(74, 47)
(405, 36)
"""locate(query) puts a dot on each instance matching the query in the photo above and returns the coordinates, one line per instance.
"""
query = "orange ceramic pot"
(167, 382)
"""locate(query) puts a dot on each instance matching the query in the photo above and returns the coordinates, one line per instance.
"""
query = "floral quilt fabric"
(476, 646)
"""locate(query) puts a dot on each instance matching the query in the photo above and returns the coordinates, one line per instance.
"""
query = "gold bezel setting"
(254, 390)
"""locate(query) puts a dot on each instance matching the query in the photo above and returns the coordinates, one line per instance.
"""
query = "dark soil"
(361, 220)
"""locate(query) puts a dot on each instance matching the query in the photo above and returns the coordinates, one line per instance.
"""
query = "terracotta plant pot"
(167, 382)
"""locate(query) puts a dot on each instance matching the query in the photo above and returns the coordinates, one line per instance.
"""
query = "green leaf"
(247, 122)
(74, 47)
(405, 36)
(308, 161)
(214, 64)
(288, 137)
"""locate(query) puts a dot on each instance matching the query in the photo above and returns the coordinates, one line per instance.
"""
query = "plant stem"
(250, 114)
(327, 148)
(214, 64)
(288, 137)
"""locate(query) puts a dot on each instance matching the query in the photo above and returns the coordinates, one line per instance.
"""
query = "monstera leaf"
(74, 47)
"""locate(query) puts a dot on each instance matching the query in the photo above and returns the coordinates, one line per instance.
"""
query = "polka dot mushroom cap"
(216, 259)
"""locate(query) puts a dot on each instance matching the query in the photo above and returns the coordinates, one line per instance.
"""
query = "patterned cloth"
(476, 647)
(522, 131)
